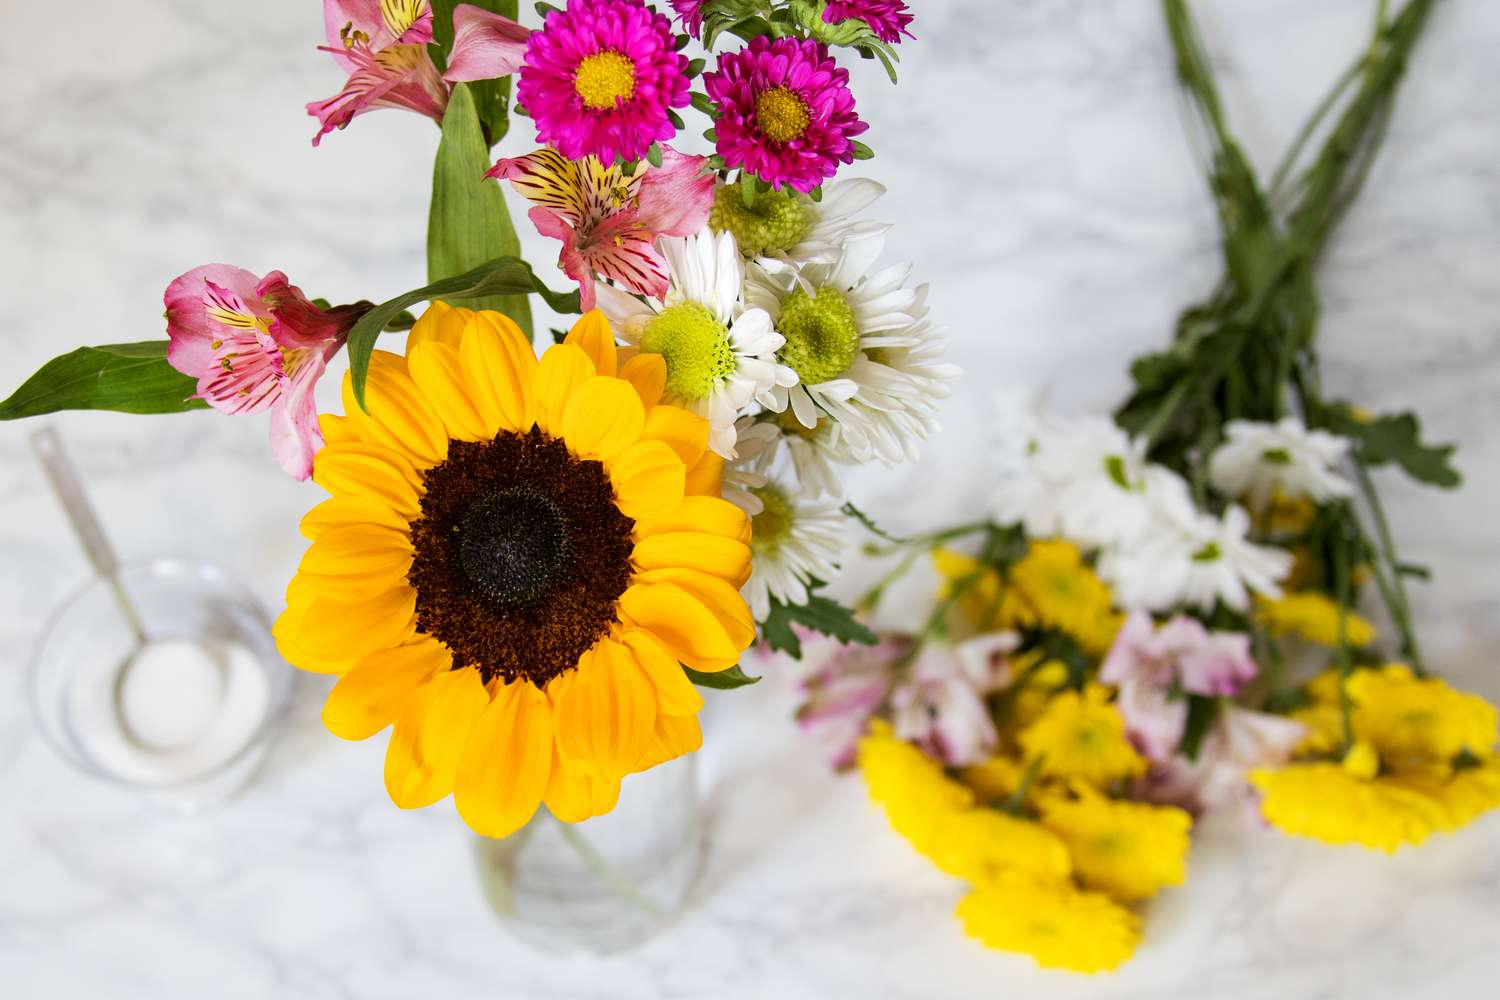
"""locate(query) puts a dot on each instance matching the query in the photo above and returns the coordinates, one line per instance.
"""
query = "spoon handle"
(68, 488)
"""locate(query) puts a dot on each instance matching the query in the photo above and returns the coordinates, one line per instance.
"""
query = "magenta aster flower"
(690, 13)
(600, 78)
(889, 19)
(786, 114)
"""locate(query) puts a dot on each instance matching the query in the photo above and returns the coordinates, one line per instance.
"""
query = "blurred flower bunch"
(530, 558)
(1161, 613)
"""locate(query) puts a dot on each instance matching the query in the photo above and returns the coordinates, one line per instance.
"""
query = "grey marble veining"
(1040, 180)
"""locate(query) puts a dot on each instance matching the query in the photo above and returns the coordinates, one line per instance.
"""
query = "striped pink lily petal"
(486, 46)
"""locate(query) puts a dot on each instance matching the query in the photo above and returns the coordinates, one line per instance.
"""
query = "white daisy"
(720, 354)
(863, 350)
(811, 455)
(755, 448)
(792, 542)
(1189, 557)
(785, 229)
(1258, 460)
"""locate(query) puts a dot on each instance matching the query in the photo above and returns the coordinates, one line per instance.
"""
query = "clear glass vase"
(607, 884)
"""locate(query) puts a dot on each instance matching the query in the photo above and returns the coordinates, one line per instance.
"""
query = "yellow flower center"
(773, 524)
(695, 346)
(781, 115)
(604, 78)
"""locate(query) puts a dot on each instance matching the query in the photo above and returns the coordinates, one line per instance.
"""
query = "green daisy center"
(821, 335)
(777, 221)
(695, 346)
(773, 524)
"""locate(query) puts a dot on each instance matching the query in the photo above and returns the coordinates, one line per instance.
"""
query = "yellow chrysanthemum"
(978, 844)
(1059, 591)
(1414, 721)
(1347, 804)
(1130, 850)
(1314, 616)
(1284, 516)
(518, 557)
(994, 779)
(918, 796)
(985, 604)
(1058, 925)
(1464, 796)
(1081, 735)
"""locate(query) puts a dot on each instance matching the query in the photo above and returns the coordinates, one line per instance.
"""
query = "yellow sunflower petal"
(370, 696)
(562, 367)
(708, 515)
(335, 429)
(500, 371)
(358, 549)
(705, 477)
(648, 373)
(720, 598)
(675, 694)
(397, 413)
(506, 761)
(649, 480)
(333, 628)
(725, 558)
(676, 735)
(685, 433)
(593, 336)
(606, 714)
(680, 622)
(286, 629)
(574, 793)
(440, 324)
(346, 511)
(438, 372)
(431, 730)
(369, 470)
(602, 418)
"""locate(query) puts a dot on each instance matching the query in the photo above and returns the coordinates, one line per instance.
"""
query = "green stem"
(1345, 658)
(1393, 588)
(619, 884)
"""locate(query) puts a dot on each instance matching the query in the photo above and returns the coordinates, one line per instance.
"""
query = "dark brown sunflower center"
(520, 556)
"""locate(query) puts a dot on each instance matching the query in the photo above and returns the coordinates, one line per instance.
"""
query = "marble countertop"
(1039, 178)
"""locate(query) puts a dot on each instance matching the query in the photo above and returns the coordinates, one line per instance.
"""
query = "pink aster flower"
(383, 45)
(690, 13)
(256, 344)
(609, 223)
(889, 19)
(785, 112)
(601, 77)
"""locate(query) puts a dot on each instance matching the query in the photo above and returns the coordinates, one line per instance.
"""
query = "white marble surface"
(1040, 179)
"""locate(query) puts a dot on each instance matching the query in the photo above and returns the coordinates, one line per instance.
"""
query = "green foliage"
(491, 97)
(1397, 438)
(501, 276)
(127, 378)
(721, 680)
(468, 223)
(821, 614)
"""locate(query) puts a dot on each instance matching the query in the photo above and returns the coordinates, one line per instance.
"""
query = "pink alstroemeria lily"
(609, 223)
(257, 344)
(383, 45)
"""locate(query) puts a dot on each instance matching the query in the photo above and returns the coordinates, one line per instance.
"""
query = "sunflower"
(518, 557)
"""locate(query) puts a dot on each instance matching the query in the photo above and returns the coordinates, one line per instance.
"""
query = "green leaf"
(821, 614)
(1200, 718)
(126, 378)
(501, 276)
(468, 223)
(1398, 438)
(722, 680)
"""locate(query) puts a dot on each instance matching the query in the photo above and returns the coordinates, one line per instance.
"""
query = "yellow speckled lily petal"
(675, 694)
(575, 793)
(675, 736)
(500, 373)
(689, 631)
(339, 512)
(334, 628)
(706, 514)
(440, 323)
(602, 418)
(685, 433)
(593, 336)
(422, 758)
(370, 696)
(506, 761)
(436, 369)
(648, 373)
(726, 558)
(562, 367)
(369, 470)
(649, 480)
(606, 715)
(721, 599)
